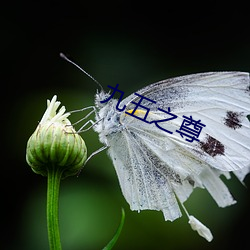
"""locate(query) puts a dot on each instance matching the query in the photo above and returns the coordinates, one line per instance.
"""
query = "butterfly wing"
(220, 100)
(143, 186)
(154, 166)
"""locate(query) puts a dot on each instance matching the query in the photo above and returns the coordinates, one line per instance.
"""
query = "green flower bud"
(55, 144)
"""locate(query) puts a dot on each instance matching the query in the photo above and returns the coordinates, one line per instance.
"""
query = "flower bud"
(55, 144)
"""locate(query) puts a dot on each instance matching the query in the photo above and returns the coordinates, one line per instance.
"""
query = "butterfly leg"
(81, 129)
(96, 152)
(86, 116)
(91, 155)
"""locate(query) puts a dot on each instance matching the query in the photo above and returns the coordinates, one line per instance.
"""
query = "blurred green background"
(116, 42)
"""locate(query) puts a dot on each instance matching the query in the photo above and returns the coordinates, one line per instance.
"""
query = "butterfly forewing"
(220, 101)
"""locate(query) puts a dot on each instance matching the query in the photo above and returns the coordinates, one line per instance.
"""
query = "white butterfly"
(158, 170)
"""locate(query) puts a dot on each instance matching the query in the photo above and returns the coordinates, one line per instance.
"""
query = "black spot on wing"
(233, 119)
(190, 181)
(212, 146)
(248, 89)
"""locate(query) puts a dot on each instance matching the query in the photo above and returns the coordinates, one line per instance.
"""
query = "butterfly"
(158, 170)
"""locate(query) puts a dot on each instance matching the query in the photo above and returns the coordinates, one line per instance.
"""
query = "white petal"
(51, 114)
(200, 228)
(50, 110)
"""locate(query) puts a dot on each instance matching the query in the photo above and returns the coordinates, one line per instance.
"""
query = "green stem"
(54, 177)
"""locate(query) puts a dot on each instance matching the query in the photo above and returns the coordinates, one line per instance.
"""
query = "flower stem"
(54, 177)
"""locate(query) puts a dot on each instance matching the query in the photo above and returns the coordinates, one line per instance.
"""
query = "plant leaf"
(117, 234)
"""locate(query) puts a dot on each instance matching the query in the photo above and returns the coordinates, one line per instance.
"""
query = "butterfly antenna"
(68, 60)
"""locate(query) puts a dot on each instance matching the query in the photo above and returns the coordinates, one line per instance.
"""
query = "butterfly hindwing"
(142, 183)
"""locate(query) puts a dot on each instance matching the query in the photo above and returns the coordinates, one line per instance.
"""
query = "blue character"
(115, 89)
(165, 120)
(134, 112)
(193, 132)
